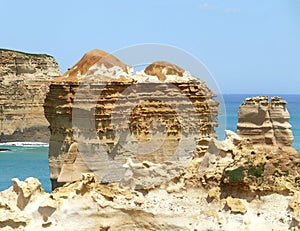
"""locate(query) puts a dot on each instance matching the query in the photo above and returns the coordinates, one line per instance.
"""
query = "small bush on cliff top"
(235, 175)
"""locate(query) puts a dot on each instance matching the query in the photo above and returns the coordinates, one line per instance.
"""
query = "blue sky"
(248, 46)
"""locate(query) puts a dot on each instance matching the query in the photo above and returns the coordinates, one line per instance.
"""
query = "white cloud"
(207, 6)
(232, 10)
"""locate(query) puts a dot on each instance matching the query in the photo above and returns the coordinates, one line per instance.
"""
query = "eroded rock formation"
(247, 182)
(233, 186)
(24, 81)
(265, 122)
(156, 115)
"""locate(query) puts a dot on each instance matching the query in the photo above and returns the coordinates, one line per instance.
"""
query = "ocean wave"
(25, 144)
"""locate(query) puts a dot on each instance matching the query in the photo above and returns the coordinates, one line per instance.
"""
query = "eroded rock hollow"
(101, 113)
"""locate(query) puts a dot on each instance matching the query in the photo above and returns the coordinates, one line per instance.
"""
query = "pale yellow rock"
(175, 187)
(295, 205)
(214, 193)
(236, 205)
(211, 213)
(25, 190)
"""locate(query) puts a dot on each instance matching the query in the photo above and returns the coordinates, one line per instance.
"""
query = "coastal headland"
(249, 181)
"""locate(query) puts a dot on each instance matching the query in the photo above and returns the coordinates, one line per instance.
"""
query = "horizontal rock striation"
(265, 122)
(24, 81)
(156, 115)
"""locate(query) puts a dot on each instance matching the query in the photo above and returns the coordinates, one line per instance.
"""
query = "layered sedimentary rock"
(234, 186)
(101, 114)
(265, 122)
(24, 81)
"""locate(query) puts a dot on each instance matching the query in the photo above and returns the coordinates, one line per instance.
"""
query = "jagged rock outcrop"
(210, 193)
(154, 115)
(24, 81)
(247, 170)
(265, 122)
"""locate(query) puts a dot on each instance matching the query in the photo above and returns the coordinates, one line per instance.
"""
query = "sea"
(30, 159)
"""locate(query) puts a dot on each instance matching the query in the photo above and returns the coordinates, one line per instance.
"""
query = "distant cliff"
(265, 122)
(24, 82)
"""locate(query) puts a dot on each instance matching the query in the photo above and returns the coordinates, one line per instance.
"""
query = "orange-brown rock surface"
(154, 115)
(24, 81)
(265, 122)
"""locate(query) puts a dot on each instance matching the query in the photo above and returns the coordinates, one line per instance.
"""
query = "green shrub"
(235, 175)
(257, 170)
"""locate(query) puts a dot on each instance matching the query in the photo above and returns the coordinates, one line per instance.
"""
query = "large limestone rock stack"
(101, 114)
(24, 81)
(265, 122)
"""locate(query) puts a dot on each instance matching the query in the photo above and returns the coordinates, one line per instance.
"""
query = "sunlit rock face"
(265, 122)
(101, 113)
(24, 82)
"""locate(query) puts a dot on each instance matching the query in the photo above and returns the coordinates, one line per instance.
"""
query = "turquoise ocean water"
(32, 160)
(22, 162)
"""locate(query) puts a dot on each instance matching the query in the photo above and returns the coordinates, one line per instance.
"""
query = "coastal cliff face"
(101, 101)
(24, 81)
(265, 122)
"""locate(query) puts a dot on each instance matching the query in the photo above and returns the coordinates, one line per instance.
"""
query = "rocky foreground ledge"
(233, 186)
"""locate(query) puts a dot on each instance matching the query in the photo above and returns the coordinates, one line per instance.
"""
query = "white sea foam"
(25, 144)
